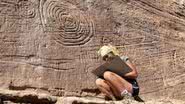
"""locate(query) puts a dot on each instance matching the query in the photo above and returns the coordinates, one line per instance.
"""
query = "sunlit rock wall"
(50, 45)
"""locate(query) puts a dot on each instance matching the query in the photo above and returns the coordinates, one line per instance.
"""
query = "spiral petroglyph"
(24, 9)
(27, 9)
(70, 26)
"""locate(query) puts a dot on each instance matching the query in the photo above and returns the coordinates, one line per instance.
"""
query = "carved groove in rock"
(27, 9)
(22, 9)
(70, 25)
(150, 32)
(16, 16)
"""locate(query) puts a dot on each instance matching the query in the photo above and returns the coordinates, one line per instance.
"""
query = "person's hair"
(107, 56)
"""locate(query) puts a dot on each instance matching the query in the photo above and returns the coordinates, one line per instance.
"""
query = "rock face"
(50, 45)
(28, 97)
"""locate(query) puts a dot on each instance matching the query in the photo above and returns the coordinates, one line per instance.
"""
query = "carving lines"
(70, 26)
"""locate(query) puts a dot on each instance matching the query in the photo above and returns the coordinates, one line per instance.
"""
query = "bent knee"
(99, 81)
(108, 75)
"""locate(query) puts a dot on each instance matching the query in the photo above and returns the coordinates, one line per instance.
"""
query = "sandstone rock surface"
(32, 97)
(26, 97)
(50, 45)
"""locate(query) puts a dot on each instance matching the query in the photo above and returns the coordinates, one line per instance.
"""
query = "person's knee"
(108, 75)
(99, 82)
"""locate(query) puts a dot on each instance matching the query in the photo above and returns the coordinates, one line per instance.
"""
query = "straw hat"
(104, 50)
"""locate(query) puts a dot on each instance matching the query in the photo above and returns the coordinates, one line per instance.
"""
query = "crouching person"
(112, 85)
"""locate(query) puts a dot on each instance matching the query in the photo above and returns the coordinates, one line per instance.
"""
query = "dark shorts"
(135, 90)
(135, 86)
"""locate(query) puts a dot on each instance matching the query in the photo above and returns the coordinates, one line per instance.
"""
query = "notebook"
(116, 65)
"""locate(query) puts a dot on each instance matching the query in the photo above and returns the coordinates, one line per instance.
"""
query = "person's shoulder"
(124, 58)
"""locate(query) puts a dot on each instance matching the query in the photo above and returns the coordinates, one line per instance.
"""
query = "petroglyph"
(69, 25)
(16, 15)
(51, 45)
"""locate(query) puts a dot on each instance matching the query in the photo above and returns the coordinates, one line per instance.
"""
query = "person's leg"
(118, 82)
(114, 90)
(104, 88)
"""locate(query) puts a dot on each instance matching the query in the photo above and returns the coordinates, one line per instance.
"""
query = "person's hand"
(133, 74)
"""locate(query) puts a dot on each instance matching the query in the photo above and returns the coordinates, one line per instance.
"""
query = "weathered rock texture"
(50, 45)
(31, 97)
(26, 97)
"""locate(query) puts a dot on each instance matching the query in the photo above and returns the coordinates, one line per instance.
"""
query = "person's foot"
(126, 95)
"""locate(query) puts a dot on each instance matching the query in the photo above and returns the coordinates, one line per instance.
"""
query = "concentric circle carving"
(69, 25)
(26, 9)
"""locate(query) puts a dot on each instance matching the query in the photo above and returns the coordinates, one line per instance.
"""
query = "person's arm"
(133, 74)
